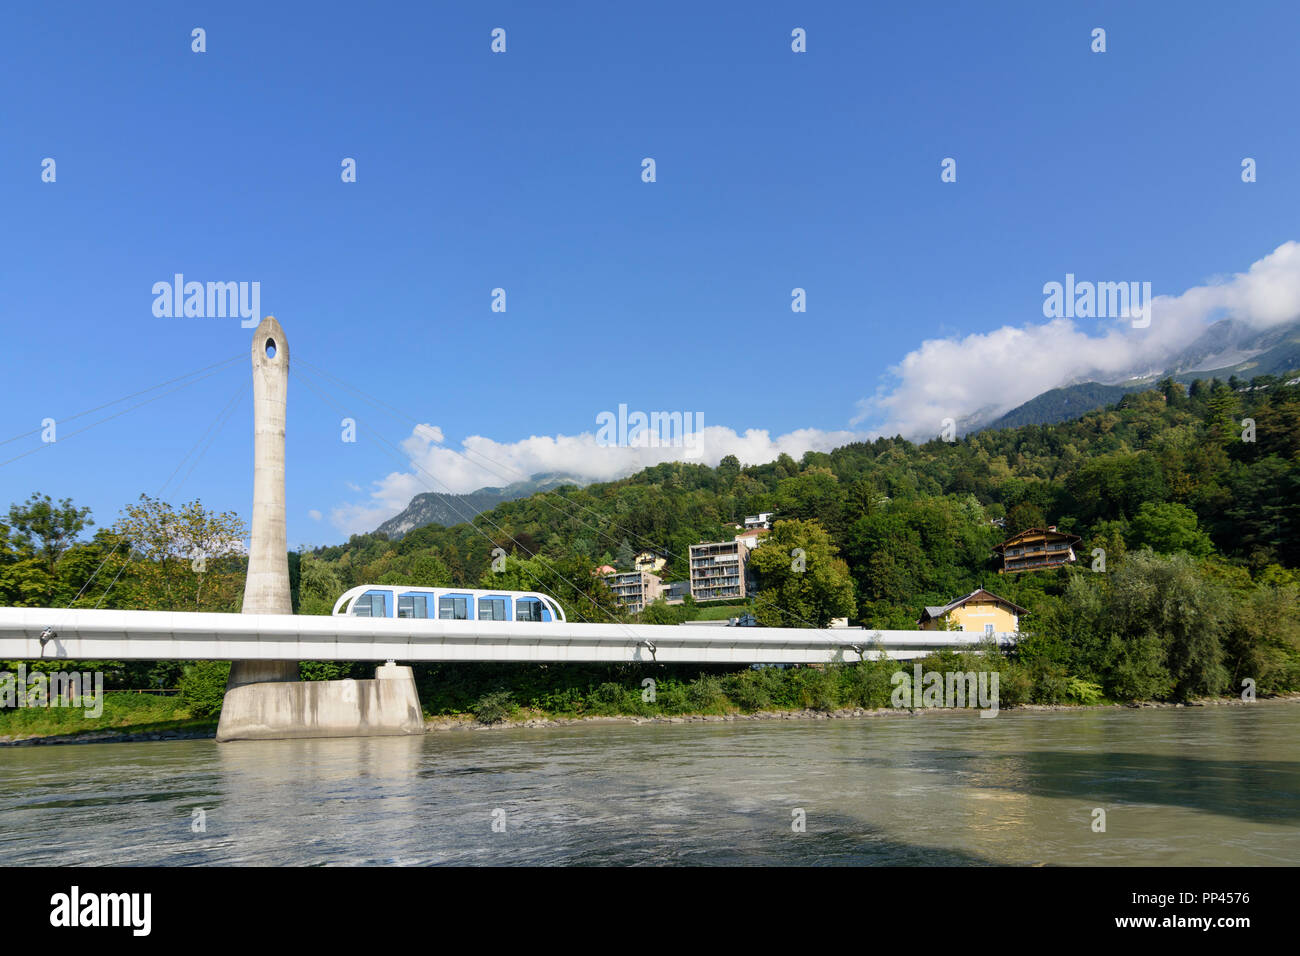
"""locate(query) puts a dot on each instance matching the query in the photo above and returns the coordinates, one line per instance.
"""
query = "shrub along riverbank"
(123, 712)
(494, 693)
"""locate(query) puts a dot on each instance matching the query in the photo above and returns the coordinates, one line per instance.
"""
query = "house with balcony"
(1037, 549)
(633, 590)
(718, 570)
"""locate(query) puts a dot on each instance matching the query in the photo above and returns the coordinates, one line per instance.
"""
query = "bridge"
(87, 635)
(265, 699)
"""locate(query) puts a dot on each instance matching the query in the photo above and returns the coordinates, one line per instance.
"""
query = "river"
(1190, 786)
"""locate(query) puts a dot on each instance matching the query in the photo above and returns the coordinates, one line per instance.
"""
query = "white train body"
(447, 604)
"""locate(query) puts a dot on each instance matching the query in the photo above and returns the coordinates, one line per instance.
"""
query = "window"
(988, 628)
(492, 609)
(371, 604)
(528, 609)
(413, 605)
(453, 608)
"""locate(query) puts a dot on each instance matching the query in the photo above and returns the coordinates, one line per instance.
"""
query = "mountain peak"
(432, 507)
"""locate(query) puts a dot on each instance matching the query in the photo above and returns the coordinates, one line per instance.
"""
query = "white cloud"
(986, 374)
(971, 380)
(483, 462)
(315, 515)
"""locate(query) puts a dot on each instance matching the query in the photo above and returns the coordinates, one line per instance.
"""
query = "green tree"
(1024, 516)
(185, 559)
(1167, 527)
(40, 528)
(802, 582)
(318, 586)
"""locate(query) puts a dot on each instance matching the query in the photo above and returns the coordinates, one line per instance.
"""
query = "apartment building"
(633, 590)
(718, 570)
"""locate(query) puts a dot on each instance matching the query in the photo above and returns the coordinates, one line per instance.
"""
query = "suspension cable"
(108, 418)
(225, 411)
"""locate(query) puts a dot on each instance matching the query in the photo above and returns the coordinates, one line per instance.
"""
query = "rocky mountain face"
(1227, 348)
(447, 510)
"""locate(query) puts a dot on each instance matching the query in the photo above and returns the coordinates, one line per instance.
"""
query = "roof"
(1043, 531)
(932, 612)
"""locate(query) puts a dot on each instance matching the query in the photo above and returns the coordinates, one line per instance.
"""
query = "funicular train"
(447, 604)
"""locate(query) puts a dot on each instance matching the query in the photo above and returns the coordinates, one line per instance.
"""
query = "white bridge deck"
(166, 635)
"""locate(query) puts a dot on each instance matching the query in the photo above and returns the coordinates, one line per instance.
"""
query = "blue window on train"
(371, 604)
(453, 607)
(528, 609)
(494, 608)
(413, 605)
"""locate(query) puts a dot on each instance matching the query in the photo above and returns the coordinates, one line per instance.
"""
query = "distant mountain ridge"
(1227, 348)
(448, 510)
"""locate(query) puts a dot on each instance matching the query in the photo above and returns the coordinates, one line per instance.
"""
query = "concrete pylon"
(265, 699)
(266, 589)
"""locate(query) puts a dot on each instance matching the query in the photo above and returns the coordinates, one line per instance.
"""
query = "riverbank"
(468, 722)
(204, 729)
(123, 717)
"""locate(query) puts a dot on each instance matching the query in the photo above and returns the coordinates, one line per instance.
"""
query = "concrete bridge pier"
(279, 709)
(265, 699)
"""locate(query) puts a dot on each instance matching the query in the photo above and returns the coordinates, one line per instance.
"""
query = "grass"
(127, 712)
(715, 612)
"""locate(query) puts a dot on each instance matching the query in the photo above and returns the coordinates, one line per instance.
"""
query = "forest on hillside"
(1187, 501)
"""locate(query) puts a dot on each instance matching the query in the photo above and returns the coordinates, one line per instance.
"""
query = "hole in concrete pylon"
(270, 348)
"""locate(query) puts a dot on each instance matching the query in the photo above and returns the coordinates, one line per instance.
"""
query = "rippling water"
(1217, 785)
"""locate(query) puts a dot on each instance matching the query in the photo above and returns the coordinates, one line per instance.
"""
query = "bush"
(747, 692)
(608, 698)
(815, 688)
(1083, 691)
(332, 670)
(1015, 685)
(705, 693)
(1137, 669)
(868, 684)
(1051, 684)
(203, 687)
(494, 707)
(672, 697)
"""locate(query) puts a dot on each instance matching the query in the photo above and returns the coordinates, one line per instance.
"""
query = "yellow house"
(980, 611)
(650, 561)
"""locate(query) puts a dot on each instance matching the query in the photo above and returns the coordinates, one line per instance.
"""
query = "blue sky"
(522, 171)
